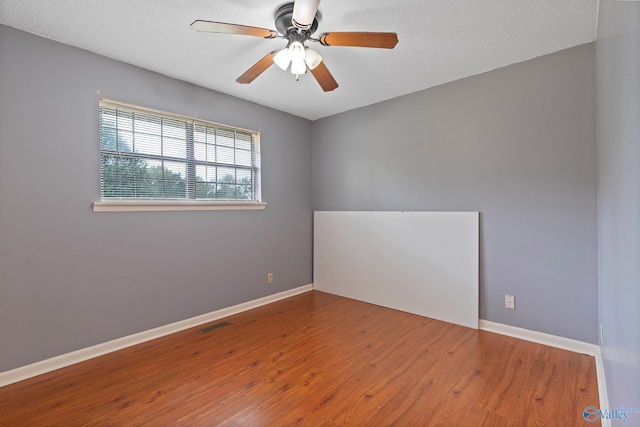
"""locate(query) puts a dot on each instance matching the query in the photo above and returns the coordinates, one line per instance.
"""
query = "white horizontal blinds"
(145, 154)
(225, 162)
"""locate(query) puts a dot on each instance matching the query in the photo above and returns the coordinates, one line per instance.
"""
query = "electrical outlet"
(510, 302)
(269, 278)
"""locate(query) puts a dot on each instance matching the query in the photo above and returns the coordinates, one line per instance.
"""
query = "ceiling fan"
(296, 22)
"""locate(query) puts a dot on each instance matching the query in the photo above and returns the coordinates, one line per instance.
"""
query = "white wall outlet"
(601, 334)
(510, 302)
(269, 278)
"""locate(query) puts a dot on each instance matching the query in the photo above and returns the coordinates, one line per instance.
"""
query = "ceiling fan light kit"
(296, 22)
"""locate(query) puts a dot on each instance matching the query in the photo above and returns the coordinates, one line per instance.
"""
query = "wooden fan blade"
(324, 77)
(377, 40)
(222, 27)
(257, 68)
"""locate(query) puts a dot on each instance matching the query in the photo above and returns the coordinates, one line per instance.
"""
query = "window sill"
(175, 205)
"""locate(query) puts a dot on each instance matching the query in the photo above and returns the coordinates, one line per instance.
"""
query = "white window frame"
(138, 204)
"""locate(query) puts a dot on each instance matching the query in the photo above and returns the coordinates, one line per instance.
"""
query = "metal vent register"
(214, 327)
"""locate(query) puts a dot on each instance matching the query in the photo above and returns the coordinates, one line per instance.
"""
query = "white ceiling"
(439, 41)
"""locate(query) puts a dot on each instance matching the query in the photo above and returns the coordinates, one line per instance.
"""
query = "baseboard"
(602, 389)
(48, 365)
(558, 342)
(541, 338)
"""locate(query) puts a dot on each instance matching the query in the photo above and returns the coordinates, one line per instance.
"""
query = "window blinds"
(147, 154)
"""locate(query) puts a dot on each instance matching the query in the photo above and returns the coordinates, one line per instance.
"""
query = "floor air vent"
(214, 327)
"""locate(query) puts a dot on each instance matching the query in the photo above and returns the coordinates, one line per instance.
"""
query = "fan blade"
(257, 68)
(222, 27)
(324, 77)
(378, 40)
(304, 11)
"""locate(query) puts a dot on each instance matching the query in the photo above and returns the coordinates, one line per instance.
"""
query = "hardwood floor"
(315, 359)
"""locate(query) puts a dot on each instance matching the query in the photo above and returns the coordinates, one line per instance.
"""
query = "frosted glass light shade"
(282, 58)
(296, 51)
(312, 58)
(298, 67)
(297, 55)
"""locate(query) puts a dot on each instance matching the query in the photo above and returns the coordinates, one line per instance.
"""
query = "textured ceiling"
(439, 41)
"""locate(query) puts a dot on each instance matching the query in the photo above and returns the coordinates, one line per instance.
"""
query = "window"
(151, 160)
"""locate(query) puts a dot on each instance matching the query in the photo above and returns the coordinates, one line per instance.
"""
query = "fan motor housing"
(284, 21)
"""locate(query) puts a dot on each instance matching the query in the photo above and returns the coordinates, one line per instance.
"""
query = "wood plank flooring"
(317, 360)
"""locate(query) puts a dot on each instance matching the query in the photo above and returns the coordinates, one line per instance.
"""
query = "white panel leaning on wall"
(425, 263)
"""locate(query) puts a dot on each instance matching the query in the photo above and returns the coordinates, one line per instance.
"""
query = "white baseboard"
(48, 365)
(541, 338)
(602, 389)
(558, 342)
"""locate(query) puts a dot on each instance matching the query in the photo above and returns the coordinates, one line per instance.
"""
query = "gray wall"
(618, 65)
(517, 144)
(70, 278)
